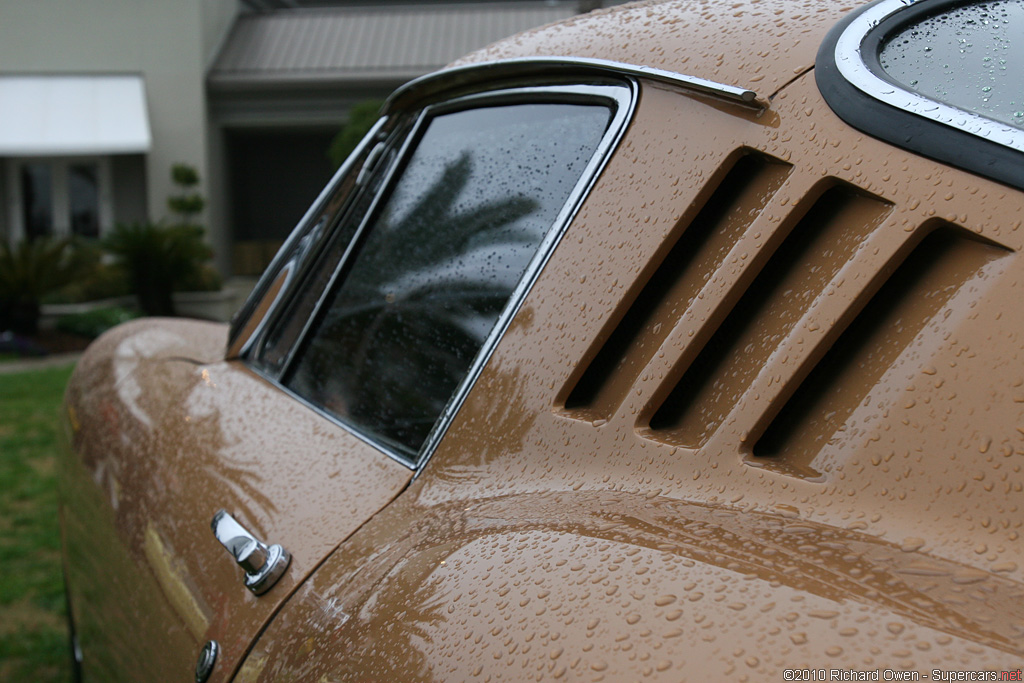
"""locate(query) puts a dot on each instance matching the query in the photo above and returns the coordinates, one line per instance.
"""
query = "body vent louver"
(701, 244)
(941, 264)
(832, 226)
(791, 276)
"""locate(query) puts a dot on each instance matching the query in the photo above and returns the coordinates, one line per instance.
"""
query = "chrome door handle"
(263, 564)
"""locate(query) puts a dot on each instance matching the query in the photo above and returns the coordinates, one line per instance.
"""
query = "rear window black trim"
(863, 96)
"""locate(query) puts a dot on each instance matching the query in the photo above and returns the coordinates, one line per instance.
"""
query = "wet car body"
(753, 404)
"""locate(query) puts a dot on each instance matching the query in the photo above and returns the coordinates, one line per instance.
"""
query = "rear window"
(943, 78)
(970, 56)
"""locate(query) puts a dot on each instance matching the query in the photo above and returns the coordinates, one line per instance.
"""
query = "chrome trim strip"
(411, 136)
(559, 66)
(849, 60)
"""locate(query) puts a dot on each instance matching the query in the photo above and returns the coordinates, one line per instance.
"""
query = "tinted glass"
(971, 57)
(322, 240)
(438, 263)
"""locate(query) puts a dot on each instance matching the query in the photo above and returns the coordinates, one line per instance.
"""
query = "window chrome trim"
(625, 106)
(880, 20)
(270, 273)
(455, 77)
(621, 94)
(409, 139)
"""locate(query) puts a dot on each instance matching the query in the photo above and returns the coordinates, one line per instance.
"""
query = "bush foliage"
(94, 323)
(31, 270)
(361, 118)
(158, 259)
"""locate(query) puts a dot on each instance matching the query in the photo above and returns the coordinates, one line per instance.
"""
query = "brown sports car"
(672, 342)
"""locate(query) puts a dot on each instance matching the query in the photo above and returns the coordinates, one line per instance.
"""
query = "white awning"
(68, 115)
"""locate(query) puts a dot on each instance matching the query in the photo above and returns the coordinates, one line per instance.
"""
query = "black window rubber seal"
(906, 129)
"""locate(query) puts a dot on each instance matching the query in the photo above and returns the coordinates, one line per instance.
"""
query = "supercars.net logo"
(899, 675)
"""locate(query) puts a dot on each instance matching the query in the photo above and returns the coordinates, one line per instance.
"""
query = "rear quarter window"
(970, 56)
(438, 264)
(422, 271)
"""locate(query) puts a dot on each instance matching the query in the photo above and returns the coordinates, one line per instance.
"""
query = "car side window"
(941, 78)
(970, 56)
(429, 274)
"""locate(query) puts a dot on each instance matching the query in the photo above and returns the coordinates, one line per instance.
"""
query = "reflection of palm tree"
(380, 626)
(430, 236)
(394, 643)
(432, 232)
(424, 292)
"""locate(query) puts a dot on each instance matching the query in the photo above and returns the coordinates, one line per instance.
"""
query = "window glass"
(340, 210)
(37, 199)
(438, 263)
(971, 56)
(84, 199)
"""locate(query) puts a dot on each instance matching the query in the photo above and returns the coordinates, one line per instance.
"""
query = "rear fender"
(625, 585)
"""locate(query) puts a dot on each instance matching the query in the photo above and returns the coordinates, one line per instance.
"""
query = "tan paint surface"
(544, 542)
(761, 44)
(549, 541)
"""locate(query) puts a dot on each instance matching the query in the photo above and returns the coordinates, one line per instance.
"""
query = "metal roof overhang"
(61, 115)
(361, 46)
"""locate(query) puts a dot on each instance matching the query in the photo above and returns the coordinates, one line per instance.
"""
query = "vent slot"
(630, 341)
(939, 266)
(813, 252)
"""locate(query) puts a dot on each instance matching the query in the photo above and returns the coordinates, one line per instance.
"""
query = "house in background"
(99, 98)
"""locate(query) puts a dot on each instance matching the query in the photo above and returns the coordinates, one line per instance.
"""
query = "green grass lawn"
(33, 636)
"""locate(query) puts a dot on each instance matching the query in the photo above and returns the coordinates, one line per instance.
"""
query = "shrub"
(102, 281)
(203, 279)
(158, 260)
(188, 203)
(97, 280)
(94, 323)
(30, 271)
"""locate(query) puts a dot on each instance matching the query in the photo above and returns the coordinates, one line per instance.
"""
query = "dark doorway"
(275, 174)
